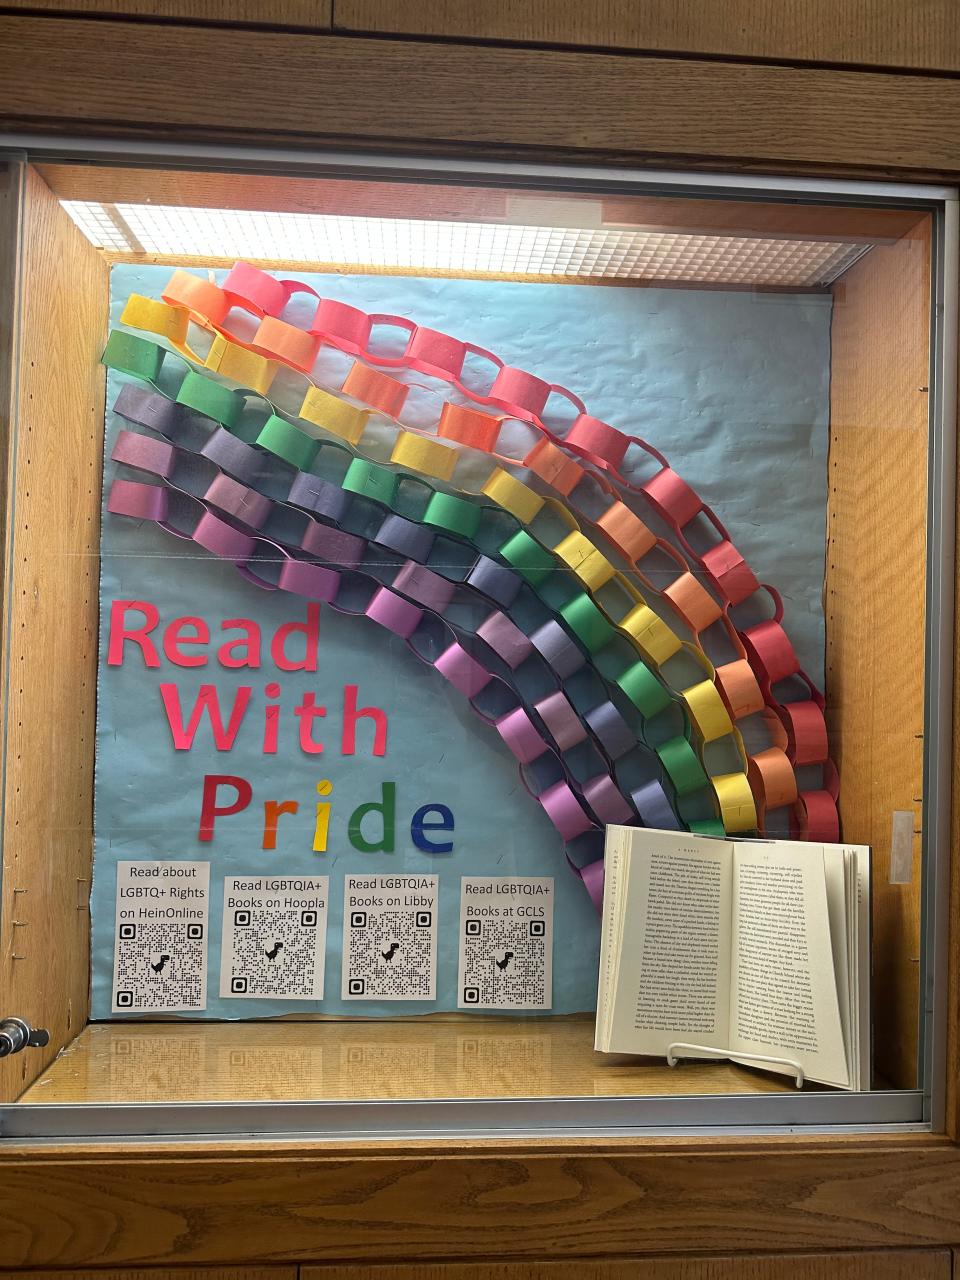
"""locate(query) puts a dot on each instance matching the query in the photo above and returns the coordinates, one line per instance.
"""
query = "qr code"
(505, 964)
(274, 953)
(390, 955)
(160, 965)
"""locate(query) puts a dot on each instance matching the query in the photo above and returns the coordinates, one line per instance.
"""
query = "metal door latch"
(15, 1034)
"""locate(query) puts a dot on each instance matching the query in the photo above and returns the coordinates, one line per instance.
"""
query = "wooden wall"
(304, 87)
(875, 600)
(891, 1264)
(867, 33)
(882, 33)
(313, 15)
(863, 88)
(52, 545)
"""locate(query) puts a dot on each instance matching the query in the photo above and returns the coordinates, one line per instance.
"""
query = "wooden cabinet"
(579, 1209)
(928, 1264)
(81, 76)
(886, 33)
(891, 1265)
(313, 14)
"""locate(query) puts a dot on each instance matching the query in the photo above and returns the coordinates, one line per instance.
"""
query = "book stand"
(673, 1057)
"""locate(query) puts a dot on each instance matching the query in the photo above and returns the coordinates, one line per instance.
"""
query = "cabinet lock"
(15, 1034)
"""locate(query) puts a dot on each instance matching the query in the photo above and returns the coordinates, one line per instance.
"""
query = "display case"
(380, 533)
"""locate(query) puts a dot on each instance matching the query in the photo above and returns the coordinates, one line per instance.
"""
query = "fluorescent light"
(608, 253)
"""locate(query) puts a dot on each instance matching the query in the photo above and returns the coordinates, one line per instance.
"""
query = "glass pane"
(383, 552)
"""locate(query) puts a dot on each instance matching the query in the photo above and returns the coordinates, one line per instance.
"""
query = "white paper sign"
(506, 942)
(160, 951)
(390, 937)
(274, 937)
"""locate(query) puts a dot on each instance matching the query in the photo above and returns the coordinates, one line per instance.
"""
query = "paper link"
(382, 606)
(407, 537)
(153, 410)
(495, 584)
(417, 448)
(568, 808)
(514, 391)
(651, 637)
(739, 688)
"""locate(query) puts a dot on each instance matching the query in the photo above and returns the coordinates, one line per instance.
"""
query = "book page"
(836, 877)
(611, 931)
(864, 969)
(784, 989)
(674, 969)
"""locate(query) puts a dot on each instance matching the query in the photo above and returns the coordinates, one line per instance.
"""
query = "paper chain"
(499, 585)
(574, 810)
(798, 729)
(702, 710)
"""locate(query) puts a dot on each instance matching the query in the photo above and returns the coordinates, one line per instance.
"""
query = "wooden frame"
(880, 33)
(876, 533)
(53, 501)
(228, 1202)
(876, 523)
(219, 1202)
(90, 78)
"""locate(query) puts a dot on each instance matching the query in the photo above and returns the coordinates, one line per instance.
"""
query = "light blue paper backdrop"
(732, 387)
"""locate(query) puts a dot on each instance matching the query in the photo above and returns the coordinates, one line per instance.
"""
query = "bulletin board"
(359, 843)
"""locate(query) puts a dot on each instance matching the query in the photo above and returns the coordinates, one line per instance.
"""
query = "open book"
(754, 947)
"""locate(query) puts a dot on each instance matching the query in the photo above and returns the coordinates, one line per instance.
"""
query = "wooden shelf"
(285, 1061)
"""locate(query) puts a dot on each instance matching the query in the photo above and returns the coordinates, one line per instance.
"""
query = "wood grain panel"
(875, 600)
(313, 14)
(893, 33)
(106, 78)
(12, 180)
(889, 1265)
(168, 1273)
(51, 601)
(203, 1204)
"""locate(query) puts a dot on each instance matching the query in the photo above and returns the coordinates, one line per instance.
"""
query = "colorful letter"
(306, 711)
(250, 643)
(138, 635)
(419, 826)
(272, 809)
(348, 742)
(322, 826)
(271, 720)
(387, 808)
(208, 701)
(209, 809)
(173, 637)
(310, 629)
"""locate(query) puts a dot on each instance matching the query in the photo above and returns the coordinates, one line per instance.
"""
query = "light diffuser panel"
(606, 253)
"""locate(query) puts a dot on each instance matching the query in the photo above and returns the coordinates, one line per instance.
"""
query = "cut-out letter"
(119, 633)
(271, 720)
(387, 808)
(348, 741)
(322, 826)
(306, 711)
(419, 827)
(210, 811)
(272, 809)
(244, 651)
(207, 700)
(177, 634)
(310, 629)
